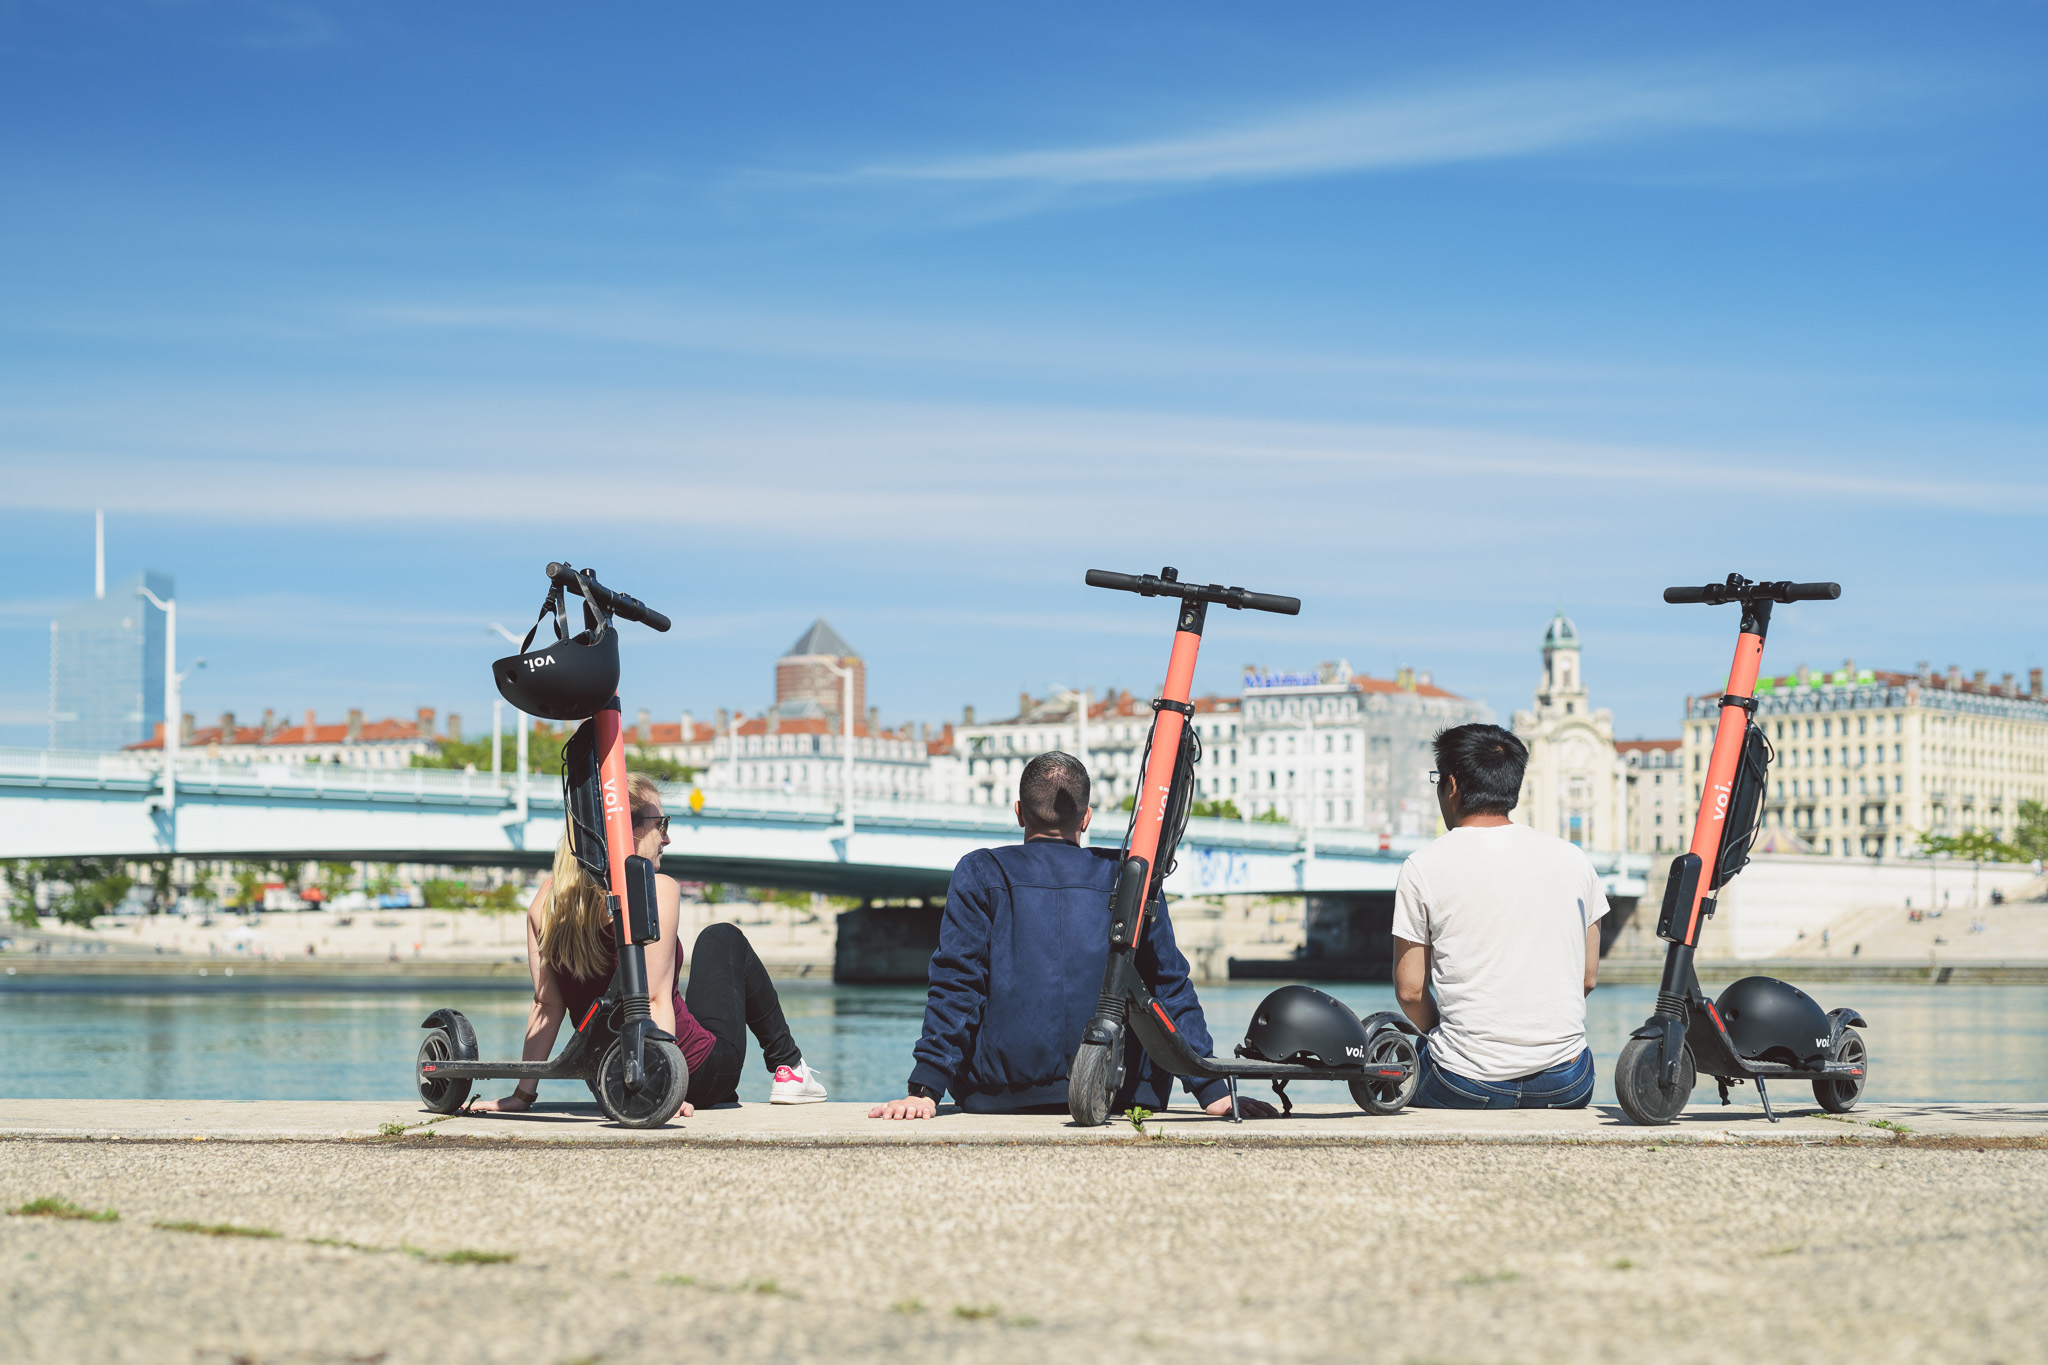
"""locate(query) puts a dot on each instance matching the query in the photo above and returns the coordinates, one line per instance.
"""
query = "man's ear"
(1086, 816)
(1018, 808)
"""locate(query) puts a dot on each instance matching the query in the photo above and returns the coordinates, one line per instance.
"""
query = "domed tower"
(1562, 681)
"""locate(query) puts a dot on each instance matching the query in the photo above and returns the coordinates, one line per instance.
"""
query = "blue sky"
(352, 316)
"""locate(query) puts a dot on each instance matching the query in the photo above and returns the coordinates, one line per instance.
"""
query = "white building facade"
(1576, 786)
(1331, 749)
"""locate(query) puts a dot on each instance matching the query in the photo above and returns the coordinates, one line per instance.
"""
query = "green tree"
(1271, 817)
(1978, 845)
(23, 875)
(543, 752)
(334, 879)
(2031, 836)
(643, 759)
(1216, 810)
(445, 893)
(94, 886)
(249, 879)
(162, 893)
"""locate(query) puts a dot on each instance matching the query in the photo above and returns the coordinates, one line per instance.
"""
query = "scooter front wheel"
(442, 1094)
(1839, 1096)
(1091, 1085)
(1388, 1046)
(1640, 1087)
(660, 1094)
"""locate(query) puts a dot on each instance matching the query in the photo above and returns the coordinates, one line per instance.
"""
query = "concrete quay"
(847, 1125)
(758, 1233)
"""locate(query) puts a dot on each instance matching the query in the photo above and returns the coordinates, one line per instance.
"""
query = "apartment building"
(1334, 749)
(1659, 811)
(1867, 761)
(1111, 742)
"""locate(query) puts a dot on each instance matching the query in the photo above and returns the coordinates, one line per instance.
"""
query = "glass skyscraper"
(107, 667)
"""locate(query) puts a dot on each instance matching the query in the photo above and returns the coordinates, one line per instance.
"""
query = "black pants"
(730, 994)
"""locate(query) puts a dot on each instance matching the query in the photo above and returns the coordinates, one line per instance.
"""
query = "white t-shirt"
(1504, 910)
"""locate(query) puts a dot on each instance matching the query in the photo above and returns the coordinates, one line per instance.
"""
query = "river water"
(1927, 1042)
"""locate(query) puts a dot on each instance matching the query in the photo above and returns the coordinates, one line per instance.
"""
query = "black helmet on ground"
(1302, 1024)
(1774, 1021)
(569, 679)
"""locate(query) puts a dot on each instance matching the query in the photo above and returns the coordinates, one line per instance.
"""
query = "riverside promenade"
(360, 1231)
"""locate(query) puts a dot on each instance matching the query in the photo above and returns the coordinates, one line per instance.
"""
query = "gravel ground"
(1380, 1253)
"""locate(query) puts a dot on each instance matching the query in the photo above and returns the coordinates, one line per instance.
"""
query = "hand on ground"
(910, 1107)
(1247, 1107)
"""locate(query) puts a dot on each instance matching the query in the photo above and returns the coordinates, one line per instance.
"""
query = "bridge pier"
(1349, 938)
(886, 945)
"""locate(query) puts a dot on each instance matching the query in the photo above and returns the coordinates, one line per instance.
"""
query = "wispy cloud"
(1395, 130)
(930, 472)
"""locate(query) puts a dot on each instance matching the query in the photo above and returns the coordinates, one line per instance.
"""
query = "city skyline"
(1439, 323)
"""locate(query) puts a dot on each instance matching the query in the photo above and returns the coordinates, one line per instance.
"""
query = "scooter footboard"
(1170, 1052)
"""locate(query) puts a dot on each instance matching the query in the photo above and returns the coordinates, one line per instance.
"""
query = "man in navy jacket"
(1019, 967)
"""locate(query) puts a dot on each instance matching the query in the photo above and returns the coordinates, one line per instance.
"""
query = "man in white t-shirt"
(1504, 923)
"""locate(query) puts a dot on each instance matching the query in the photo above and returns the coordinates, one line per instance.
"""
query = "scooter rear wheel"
(1644, 1096)
(661, 1089)
(1388, 1046)
(1840, 1096)
(1091, 1085)
(442, 1094)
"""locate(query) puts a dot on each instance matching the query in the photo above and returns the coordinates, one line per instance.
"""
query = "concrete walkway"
(413, 1251)
(848, 1125)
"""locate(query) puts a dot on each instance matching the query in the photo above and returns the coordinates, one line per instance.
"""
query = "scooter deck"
(1168, 1050)
(473, 1071)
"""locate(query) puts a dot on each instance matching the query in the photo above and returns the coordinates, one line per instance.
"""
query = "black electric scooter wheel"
(1838, 1095)
(442, 1094)
(661, 1089)
(1091, 1085)
(1388, 1046)
(1644, 1096)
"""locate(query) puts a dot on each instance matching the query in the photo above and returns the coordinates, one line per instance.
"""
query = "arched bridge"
(55, 804)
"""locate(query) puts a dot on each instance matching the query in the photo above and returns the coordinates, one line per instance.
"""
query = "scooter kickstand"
(1235, 1117)
(1765, 1096)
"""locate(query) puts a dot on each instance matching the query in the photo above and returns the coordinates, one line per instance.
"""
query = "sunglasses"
(658, 821)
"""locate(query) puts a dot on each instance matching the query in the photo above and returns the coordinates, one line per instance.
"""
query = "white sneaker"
(795, 1085)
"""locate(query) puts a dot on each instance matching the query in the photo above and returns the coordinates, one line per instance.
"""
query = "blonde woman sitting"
(570, 952)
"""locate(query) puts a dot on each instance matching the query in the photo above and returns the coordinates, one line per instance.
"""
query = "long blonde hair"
(575, 927)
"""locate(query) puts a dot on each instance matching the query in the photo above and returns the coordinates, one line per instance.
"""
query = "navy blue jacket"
(1018, 972)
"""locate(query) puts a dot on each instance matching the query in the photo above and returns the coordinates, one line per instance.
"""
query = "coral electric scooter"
(1760, 1027)
(1383, 1073)
(635, 1070)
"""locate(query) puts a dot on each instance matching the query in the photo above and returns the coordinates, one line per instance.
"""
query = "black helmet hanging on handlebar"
(1302, 1024)
(575, 675)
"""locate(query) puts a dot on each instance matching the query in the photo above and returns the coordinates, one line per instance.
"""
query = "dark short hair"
(1487, 762)
(1054, 792)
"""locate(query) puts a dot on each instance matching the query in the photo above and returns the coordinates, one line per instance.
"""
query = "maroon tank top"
(581, 995)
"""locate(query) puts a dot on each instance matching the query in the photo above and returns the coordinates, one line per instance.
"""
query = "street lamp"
(174, 728)
(845, 740)
(497, 712)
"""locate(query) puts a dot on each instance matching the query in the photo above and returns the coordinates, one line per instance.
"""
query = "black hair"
(1054, 792)
(1487, 762)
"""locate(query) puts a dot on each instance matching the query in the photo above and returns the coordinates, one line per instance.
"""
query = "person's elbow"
(1411, 992)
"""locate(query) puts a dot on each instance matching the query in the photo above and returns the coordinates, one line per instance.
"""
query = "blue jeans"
(1568, 1086)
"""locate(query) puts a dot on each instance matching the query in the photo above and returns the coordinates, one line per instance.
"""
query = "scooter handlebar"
(585, 585)
(1168, 584)
(1742, 590)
